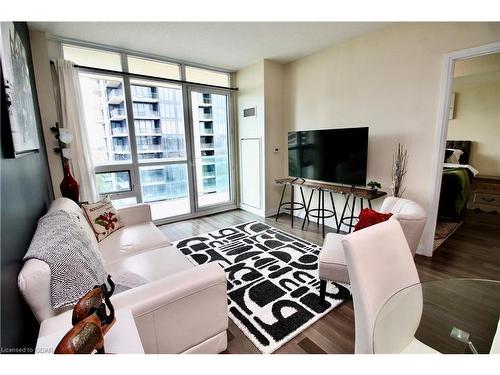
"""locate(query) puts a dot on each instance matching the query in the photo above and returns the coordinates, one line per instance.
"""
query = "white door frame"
(445, 93)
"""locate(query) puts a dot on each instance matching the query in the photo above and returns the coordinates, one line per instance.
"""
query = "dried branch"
(399, 169)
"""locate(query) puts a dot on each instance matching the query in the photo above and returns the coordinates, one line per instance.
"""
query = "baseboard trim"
(253, 210)
(271, 212)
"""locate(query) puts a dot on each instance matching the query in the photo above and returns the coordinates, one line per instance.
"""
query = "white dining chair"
(380, 264)
(332, 265)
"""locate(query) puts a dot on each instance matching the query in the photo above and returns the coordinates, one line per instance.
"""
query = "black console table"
(320, 212)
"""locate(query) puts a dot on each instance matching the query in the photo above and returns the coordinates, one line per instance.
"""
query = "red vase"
(69, 186)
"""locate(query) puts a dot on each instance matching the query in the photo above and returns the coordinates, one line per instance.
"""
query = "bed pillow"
(454, 158)
(102, 217)
(369, 217)
(447, 153)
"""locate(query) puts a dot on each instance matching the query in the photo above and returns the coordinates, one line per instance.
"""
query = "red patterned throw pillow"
(369, 217)
(102, 217)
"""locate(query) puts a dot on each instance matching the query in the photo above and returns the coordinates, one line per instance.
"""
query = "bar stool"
(322, 212)
(292, 205)
(352, 216)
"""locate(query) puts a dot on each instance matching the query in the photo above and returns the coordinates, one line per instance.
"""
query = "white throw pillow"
(102, 217)
(455, 157)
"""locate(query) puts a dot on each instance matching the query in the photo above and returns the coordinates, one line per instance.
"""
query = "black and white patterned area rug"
(272, 280)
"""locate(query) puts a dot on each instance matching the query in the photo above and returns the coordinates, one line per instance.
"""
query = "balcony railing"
(121, 148)
(149, 131)
(206, 116)
(144, 95)
(149, 148)
(207, 160)
(119, 131)
(207, 145)
(146, 114)
(115, 92)
(117, 113)
(206, 130)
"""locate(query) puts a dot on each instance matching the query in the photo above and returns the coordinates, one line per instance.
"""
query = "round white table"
(449, 316)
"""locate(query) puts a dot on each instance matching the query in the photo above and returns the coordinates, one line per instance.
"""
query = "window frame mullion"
(134, 175)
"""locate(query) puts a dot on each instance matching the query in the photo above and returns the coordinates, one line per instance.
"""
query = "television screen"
(331, 155)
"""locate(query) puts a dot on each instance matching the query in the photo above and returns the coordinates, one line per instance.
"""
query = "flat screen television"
(330, 155)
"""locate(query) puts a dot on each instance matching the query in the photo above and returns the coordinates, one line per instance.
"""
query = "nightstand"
(485, 194)
(122, 338)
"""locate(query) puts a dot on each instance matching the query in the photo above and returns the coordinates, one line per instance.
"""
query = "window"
(153, 68)
(113, 182)
(208, 77)
(106, 118)
(142, 146)
(92, 57)
(159, 121)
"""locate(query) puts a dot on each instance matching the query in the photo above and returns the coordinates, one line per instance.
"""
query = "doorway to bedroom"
(470, 185)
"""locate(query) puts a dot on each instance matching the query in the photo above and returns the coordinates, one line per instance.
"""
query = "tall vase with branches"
(399, 168)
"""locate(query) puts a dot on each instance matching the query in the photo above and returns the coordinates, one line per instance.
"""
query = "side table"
(122, 338)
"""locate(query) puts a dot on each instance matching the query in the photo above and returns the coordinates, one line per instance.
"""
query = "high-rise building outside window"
(142, 146)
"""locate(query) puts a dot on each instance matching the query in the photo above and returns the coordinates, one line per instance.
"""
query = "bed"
(456, 182)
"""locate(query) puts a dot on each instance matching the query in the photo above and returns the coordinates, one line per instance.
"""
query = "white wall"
(261, 85)
(275, 134)
(477, 119)
(250, 83)
(389, 80)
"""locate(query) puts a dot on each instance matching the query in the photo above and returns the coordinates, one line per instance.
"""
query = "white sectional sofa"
(181, 309)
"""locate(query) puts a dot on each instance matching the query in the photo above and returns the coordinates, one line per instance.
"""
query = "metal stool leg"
(370, 203)
(323, 211)
(307, 210)
(343, 212)
(319, 205)
(352, 212)
(334, 210)
(306, 216)
(292, 204)
(281, 201)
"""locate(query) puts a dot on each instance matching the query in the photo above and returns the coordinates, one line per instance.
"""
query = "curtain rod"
(108, 71)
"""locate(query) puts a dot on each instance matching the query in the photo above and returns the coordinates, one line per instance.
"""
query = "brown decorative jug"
(69, 186)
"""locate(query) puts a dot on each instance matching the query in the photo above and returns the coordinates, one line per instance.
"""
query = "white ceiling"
(229, 45)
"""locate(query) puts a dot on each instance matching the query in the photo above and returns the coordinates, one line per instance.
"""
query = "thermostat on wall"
(249, 112)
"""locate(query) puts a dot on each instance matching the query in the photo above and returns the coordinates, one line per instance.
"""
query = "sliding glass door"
(145, 150)
(211, 147)
(160, 143)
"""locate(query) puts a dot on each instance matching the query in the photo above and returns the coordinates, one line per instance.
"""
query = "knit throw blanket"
(75, 266)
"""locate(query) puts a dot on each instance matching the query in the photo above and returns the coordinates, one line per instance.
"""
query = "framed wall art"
(18, 92)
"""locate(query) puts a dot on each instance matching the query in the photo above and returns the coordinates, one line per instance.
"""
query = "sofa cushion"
(131, 240)
(332, 264)
(152, 265)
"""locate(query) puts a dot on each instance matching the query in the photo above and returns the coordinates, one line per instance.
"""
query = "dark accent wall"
(26, 193)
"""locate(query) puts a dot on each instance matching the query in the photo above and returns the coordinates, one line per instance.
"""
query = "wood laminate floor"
(472, 251)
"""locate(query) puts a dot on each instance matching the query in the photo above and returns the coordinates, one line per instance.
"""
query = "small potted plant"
(374, 185)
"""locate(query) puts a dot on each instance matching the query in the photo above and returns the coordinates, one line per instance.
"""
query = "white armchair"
(380, 264)
(332, 264)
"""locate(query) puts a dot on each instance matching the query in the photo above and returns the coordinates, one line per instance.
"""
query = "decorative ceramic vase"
(69, 186)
